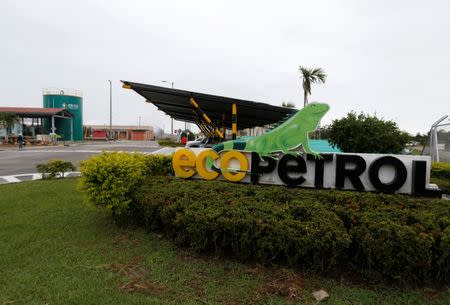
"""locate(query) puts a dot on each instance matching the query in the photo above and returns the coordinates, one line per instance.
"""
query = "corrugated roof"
(175, 103)
(32, 112)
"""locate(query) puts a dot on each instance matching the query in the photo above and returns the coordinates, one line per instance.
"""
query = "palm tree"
(311, 76)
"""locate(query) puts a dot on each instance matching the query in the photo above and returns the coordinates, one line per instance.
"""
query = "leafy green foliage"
(440, 174)
(188, 134)
(394, 236)
(216, 216)
(440, 170)
(420, 138)
(403, 238)
(78, 257)
(7, 119)
(367, 134)
(443, 184)
(54, 168)
(110, 179)
(168, 142)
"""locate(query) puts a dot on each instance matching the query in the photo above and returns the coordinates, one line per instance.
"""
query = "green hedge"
(400, 237)
(169, 142)
(440, 174)
(53, 168)
(110, 179)
(440, 170)
(403, 238)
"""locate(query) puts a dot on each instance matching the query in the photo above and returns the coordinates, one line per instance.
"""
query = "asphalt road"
(15, 162)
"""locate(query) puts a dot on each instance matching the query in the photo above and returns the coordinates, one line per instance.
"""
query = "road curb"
(31, 177)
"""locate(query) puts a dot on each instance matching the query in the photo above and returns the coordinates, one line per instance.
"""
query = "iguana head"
(317, 110)
(310, 116)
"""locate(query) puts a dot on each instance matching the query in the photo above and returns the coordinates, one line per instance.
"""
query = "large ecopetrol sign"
(273, 158)
(362, 172)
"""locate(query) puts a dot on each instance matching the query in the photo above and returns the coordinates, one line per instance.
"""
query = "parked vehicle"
(200, 142)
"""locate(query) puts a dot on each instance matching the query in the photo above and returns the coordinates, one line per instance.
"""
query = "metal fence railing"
(438, 144)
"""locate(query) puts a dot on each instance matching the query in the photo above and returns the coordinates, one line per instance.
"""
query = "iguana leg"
(307, 149)
(261, 155)
(286, 150)
(292, 153)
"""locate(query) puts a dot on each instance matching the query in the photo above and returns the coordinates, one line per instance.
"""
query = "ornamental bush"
(398, 237)
(364, 133)
(214, 216)
(54, 168)
(169, 142)
(440, 174)
(440, 170)
(110, 179)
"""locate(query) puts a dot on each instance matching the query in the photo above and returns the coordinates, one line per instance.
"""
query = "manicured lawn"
(54, 249)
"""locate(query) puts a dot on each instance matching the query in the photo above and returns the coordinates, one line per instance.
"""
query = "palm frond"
(311, 76)
(318, 75)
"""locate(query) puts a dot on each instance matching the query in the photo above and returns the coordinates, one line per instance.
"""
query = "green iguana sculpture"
(283, 139)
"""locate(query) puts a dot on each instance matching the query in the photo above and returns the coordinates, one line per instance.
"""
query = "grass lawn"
(54, 249)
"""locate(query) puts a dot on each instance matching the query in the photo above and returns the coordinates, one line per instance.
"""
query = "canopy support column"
(234, 121)
(224, 128)
(53, 124)
(205, 118)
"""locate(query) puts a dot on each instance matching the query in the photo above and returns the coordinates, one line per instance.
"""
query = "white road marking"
(77, 151)
(11, 179)
(61, 151)
(35, 176)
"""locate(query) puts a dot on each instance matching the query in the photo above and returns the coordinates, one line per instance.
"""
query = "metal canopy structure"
(180, 105)
(41, 113)
(30, 112)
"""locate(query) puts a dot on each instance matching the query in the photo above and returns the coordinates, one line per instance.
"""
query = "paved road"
(15, 162)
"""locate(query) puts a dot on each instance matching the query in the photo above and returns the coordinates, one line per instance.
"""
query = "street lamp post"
(110, 108)
(171, 119)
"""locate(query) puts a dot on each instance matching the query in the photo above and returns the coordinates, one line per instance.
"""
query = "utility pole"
(171, 119)
(110, 109)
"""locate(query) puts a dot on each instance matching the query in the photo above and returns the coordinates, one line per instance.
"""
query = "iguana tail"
(228, 145)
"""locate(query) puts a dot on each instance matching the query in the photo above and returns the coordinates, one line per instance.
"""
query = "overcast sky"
(386, 57)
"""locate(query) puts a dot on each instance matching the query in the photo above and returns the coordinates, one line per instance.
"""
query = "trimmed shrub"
(158, 165)
(402, 238)
(169, 142)
(206, 218)
(440, 170)
(440, 174)
(399, 237)
(110, 179)
(391, 248)
(54, 168)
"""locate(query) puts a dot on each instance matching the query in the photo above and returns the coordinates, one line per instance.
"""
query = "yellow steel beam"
(234, 121)
(205, 117)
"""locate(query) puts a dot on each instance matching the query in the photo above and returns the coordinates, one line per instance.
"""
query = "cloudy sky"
(386, 57)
